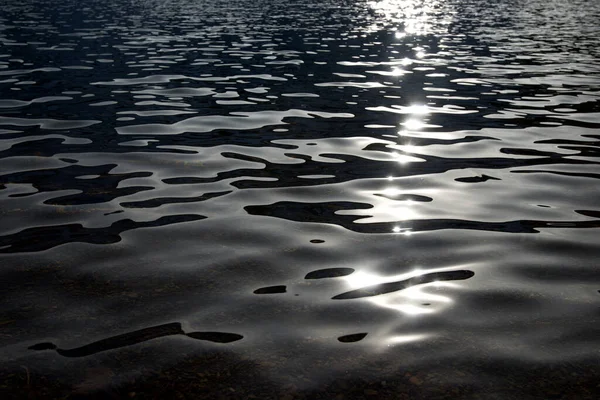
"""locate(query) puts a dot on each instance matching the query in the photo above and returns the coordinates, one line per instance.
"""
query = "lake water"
(393, 199)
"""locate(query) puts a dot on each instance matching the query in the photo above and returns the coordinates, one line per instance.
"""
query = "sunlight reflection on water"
(264, 177)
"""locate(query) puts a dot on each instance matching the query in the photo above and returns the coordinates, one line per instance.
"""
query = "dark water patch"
(476, 179)
(43, 346)
(327, 213)
(271, 290)
(376, 290)
(153, 203)
(53, 146)
(42, 147)
(589, 213)
(96, 195)
(353, 168)
(217, 337)
(103, 188)
(187, 180)
(114, 342)
(43, 238)
(355, 337)
(315, 212)
(530, 152)
(574, 174)
(329, 273)
(227, 175)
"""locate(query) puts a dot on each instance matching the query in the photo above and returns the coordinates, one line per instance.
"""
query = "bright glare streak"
(417, 17)
(411, 29)
(409, 148)
(419, 109)
(419, 293)
(407, 301)
(413, 124)
(407, 338)
(444, 284)
(403, 159)
(403, 231)
(361, 279)
(402, 301)
(399, 35)
(398, 71)
(391, 192)
(402, 307)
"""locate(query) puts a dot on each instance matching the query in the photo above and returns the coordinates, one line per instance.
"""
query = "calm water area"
(300, 199)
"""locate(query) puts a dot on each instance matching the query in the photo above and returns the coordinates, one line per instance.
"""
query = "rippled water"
(330, 190)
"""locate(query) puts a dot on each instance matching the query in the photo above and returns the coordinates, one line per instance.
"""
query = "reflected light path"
(413, 16)
(406, 292)
(260, 181)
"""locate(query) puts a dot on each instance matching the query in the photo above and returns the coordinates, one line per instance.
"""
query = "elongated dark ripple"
(135, 337)
(329, 273)
(355, 337)
(271, 289)
(42, 238)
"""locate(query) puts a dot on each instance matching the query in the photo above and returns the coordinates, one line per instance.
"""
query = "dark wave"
(326, 213)
(135, 337)
(43, 238)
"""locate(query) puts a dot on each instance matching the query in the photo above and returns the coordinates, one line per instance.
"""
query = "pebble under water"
(300, 199)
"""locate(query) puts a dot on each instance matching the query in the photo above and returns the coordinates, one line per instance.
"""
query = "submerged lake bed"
(336, 199)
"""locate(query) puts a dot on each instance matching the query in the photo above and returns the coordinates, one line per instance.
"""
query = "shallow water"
(318, 187)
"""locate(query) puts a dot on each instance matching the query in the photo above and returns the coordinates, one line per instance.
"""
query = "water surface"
(381, 192)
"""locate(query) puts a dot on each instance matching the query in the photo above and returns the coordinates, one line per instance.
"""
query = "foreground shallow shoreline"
(223, 375)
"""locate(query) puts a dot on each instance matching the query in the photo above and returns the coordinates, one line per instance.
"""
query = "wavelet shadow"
(476, 179)
(271, 290)
(153, 203)
(355, 337)
(102, 189)
(327, 213)
(329, 273)
(47, 237)
(135, 337)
